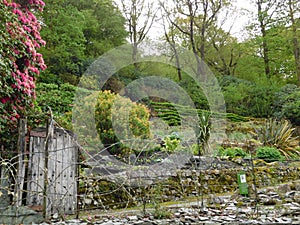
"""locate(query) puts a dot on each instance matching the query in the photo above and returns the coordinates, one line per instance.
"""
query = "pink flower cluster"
(27, 63)
(39, 4)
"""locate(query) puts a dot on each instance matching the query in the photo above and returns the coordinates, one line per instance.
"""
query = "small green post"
(243, 186)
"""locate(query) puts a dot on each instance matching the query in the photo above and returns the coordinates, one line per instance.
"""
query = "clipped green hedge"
(169, 113)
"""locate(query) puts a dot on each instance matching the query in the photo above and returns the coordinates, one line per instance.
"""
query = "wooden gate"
(52, 171)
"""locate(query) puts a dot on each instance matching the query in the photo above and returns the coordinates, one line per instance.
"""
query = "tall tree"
(104, 25)
(63, 32)
(293, 7)
(170, 36)
(267, 15)
(225, 54)
(193, 19)
(77, 32)
(140, 16)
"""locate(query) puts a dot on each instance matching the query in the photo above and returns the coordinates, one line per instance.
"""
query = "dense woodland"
(259, 73)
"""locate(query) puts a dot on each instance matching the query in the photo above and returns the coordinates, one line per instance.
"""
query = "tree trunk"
(177, 61)
(296, 46)
(264, 41)
(140, 19)
(173, 47)
(134, 56)
(192, 39)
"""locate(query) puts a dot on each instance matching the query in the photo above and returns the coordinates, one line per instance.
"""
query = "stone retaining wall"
(101, 193)
(19, 215)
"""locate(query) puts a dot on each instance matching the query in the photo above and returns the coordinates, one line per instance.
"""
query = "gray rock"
(290, 194)
(203, 218)
(249, 222)
(284, 188)
(287, 220)
(215, 200)
(143, 223)
(177, 214)
(231, 208)
(73, 221)
(263, 195)
(190, 219)
(132, 218)
(107, 223)
(289, 200)
(55, 216)
(297, 186)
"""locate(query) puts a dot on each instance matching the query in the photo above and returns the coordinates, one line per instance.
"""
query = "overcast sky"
(236, 21)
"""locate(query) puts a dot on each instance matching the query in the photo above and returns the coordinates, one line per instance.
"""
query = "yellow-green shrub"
(119, 119)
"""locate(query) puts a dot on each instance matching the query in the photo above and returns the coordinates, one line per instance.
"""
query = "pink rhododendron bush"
(20, 62)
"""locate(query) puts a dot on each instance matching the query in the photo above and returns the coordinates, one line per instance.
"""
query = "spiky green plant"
(203, 132)
(279, 134)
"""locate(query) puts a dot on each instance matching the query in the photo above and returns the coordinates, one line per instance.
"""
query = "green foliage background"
(78, 32)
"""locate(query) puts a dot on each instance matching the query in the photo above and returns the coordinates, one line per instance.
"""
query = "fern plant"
(278, 134)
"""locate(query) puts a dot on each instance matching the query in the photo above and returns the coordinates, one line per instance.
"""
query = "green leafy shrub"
(232, 152)
(235, 96)
(291, 108)
(84, 125)
(280, 98)
(287, 103)
(131, 120)
(260, 99)
(246, 98)
(240, 152)
(195, 92)
(278, 134)
(171, 142)
(268, 154)
(58, 98)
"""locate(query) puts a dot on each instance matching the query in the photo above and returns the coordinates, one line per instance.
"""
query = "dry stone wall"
(220, 177)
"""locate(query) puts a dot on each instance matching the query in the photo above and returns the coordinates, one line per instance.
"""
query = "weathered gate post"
(48, 142)
(20, 176)
(4, 185)
(15, 214)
